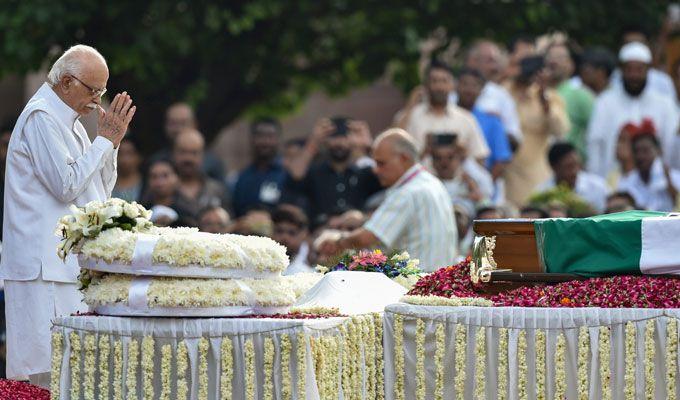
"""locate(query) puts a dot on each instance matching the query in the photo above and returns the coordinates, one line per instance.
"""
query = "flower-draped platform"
(98, 357)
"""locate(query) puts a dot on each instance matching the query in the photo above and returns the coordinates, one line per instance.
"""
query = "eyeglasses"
(95, 92)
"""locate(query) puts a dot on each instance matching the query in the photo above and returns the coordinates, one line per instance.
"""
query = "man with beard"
(631, 102)
(426, 120)
(196, 190)
(260, 184)
(333, 184)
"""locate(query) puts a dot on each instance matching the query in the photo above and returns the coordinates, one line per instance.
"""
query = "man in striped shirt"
(416, 215)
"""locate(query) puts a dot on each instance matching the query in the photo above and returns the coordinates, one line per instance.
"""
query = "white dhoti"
(30, 307)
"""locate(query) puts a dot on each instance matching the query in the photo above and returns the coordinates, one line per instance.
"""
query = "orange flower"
(565, 301)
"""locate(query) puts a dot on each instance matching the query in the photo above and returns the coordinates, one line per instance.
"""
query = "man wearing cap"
(630, 102)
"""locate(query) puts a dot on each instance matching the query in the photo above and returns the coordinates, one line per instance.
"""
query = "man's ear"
(66, 83)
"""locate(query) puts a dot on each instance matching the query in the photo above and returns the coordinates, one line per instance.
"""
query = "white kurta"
(613, 109)
(654, 194)
(51, 164)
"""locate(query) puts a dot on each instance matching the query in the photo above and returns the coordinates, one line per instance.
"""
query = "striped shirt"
(417, 216)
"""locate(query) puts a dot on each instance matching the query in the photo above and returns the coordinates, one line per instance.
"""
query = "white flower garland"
(301, 356)
(671, 357)
(249, 358)
(190, 292)
(57, 354)
(420, 359)
(203, 346)
(503, 363)
(583, 354)
(182, 369)
(133, 360)
(104, 355)
(440, 351)
(629, 376)
(346, 380)
(268, 368)
(378, 348)
(540, 364)
(147, 367)
(522, 369)
(605, 371)
(369, 351)
(460, 360)
(399, 357)
(166, 372)
(355, 361)
(286, 389)
(480, 358)
(90, 347)
(334, 380)
(445, 301)
(560, 367)
(227, 368)
(74, 364)
(118, 370)
(649, 359)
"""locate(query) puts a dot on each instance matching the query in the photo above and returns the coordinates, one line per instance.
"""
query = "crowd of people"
(534, 129)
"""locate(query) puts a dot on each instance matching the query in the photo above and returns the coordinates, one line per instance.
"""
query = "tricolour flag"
(630, 242)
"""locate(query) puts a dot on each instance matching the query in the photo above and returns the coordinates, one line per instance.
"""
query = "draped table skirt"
(98, 357)
(530, 353)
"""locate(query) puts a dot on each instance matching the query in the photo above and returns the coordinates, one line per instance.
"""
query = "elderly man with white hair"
(51, 164)
(416, 215)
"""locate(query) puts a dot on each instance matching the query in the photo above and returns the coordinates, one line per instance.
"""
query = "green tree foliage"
(233, 57)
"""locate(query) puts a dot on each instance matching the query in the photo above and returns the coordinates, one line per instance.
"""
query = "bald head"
(394, 152)
(178, 117)
(188, 153)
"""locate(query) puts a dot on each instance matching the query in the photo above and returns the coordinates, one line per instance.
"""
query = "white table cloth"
(193, 331)
(641, 359)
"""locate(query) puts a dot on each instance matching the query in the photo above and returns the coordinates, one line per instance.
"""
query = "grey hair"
(402, 142)
(72, 62)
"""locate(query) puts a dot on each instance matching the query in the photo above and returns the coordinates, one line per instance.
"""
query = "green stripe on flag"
(595, 246)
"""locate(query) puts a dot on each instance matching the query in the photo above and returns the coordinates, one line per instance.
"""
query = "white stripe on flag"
(660, 245)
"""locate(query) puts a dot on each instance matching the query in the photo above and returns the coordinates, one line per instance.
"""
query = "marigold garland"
(166, 371)
(182, 370)
(118, 370)
(649, 359)
(399, 357)
(227, 368)
(420, 359)
(249, 358)
(440, 351)
(203, 346)
(378, 348)
(671, 358)
(503, 363)
(74, 364)
(133, 360)
(605, 371)
(90, 347)
(459, 357)
(268, 368)
(301, 356)
(522, 369)
(480, 362)
(540, 364)
(583, 354)
(560, 367)
(286, 389)
(147, 367)
(57, 354)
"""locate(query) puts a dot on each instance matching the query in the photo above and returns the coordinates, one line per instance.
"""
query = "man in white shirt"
(630, 103)
(565, 162)
(653, 185)
(416, 214)
(51, 164)
(427, 120)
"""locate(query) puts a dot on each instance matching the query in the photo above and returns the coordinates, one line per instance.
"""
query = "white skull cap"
(635, 51)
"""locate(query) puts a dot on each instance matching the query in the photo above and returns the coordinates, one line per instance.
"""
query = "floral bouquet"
(98, 216)
(398, 266)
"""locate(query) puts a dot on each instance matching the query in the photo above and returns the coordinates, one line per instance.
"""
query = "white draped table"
(98, 357)
(530, 353)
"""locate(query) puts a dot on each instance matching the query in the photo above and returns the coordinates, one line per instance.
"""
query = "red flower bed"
(626, 291)
(15, 390)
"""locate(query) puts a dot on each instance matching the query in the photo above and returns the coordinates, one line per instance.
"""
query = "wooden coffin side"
(515, 243)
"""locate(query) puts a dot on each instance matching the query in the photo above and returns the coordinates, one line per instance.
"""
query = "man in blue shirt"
(470, 84)
(261, 182)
